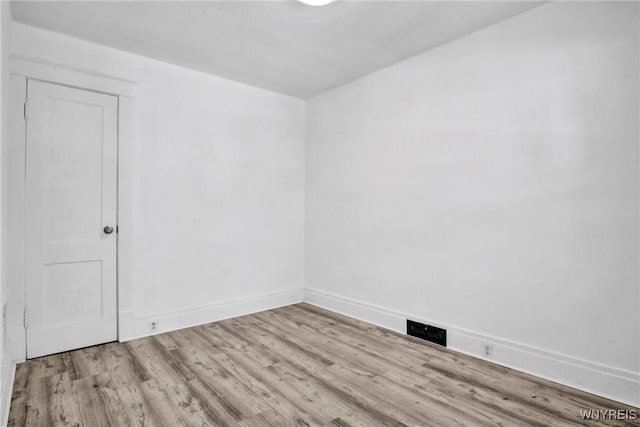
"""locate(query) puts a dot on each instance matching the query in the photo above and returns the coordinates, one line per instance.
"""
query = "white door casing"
(71, 195)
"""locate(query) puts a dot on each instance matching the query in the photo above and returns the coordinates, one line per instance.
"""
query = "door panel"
(80, 281)
(65, 193)
(70, 197)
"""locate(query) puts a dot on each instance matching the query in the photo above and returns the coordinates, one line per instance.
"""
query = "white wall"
(218, 184)
(6, 362)
(491, 186)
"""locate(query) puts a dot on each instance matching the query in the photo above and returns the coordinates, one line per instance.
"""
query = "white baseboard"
(612, 383)
(8, 377)
(131, 327)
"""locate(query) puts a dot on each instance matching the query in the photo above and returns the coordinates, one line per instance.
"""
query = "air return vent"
(427, 332)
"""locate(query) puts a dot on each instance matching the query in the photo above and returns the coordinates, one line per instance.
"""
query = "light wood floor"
(292, 366)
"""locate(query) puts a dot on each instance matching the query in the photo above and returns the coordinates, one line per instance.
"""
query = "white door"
(71, 203)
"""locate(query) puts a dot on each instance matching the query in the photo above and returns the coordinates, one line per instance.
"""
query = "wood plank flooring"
(293, 366)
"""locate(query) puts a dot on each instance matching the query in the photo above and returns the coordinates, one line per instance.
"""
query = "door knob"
(108, 230)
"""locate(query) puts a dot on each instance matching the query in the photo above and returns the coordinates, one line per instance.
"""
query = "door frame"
(13, 191)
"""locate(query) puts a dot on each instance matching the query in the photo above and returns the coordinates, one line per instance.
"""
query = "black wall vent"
(427, 332)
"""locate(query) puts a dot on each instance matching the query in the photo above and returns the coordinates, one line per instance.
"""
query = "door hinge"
(26, 319)
(26, 111)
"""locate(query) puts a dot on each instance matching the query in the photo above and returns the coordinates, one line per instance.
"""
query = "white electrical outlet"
(487, 350)
(153, 325)
(5, 335)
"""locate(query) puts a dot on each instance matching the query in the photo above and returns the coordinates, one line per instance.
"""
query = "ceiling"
(283, 46)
